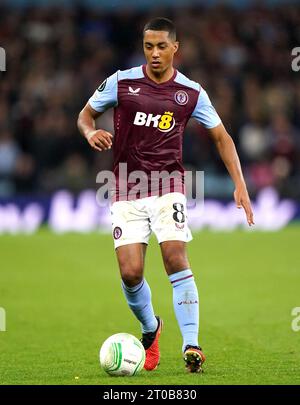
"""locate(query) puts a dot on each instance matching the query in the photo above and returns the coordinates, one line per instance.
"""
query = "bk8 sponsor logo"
(163, 123)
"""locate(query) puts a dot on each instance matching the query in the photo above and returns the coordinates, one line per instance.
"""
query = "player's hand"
(100, 139)
(242, 200)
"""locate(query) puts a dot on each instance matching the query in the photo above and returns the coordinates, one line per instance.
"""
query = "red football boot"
(150, 343)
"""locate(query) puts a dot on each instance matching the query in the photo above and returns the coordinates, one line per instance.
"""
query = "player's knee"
(131, 275)
(175, 262)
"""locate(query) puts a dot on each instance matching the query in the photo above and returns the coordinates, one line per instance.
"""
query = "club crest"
(181, 97)
(117, 233)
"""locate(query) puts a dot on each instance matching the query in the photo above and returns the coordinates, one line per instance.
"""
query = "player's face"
(159, 50)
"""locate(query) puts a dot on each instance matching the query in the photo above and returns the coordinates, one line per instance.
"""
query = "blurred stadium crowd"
(57, 57)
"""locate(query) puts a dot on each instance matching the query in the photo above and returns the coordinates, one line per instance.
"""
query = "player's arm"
(97, 138)
(228, 153)
(105, 96)
(207, 116)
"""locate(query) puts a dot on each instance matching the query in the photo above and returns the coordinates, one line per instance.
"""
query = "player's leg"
(185, 301)
(185, 292)
(131, 232)
(137, 292)
(135, 287)
(131, 259)
(170, 226)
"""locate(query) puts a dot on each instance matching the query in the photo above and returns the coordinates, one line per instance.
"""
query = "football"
(122, 354)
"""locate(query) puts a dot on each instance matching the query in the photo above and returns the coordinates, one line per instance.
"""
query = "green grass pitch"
(62, 298)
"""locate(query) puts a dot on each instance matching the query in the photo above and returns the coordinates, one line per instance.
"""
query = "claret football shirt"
(149, 122)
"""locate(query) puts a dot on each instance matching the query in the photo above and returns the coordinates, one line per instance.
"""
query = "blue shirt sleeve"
(106, 95)
(204, 111)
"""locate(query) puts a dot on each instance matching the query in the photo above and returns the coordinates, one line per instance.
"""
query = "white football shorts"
(133, 221)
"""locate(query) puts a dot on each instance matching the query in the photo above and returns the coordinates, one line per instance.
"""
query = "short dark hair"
(161, 24)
